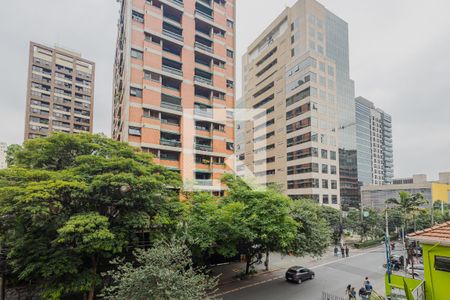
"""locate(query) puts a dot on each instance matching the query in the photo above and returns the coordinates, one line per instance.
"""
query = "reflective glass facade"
(338, 50)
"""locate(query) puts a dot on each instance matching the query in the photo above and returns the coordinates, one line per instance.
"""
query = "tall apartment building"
(3, 149)
(296, 75)
(374, 143)
(174, 85)
(60, 93)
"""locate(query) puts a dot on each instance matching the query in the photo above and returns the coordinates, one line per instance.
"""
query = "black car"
(299, 274)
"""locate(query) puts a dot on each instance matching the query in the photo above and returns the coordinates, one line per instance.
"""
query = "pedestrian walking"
(363, 293)
(348, 291)
(346, 250)
(368, 287)
(336, 250)
(342, 251)
(353, 294)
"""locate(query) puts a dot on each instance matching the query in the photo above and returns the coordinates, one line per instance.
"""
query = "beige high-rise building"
(297, 86)
(60, 96)
(174, 85)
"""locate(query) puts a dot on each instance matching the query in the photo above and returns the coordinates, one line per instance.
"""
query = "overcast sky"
(399, 55)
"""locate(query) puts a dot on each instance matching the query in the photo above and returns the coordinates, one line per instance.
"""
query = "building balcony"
(170, 143)
(204, 47)
(202, 147)
(208, 113)
(172, 70)
(205, 15)
(177, 2)
(204, 182)
(171, 106)
(173, 35)
(203, 80)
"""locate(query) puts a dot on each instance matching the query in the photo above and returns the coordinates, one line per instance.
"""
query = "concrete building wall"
(374, 196)
(60, 96)
(174, 85)
(3, 149)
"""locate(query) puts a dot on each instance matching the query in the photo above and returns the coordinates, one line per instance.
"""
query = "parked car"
(299, 274)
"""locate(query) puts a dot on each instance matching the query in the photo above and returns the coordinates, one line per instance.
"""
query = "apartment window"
(219, 127)
(136, 16)
(137, 54)
(322, 66)
(324, 183)
(148, 113)
(324, 153)
(230, 53)
(333, 170)
(334, 184)
(230, 146)
(135, 92)
(152, 76)
(325, 199)
(334, 199)
(295, 24)
(333, 155)
(230, 84)
(136, 131)
(218, 160)
(230, 24)
(325, 169)
(169, 155)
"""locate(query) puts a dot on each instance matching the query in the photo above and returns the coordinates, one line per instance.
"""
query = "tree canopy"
(162, 272)
(71, 203)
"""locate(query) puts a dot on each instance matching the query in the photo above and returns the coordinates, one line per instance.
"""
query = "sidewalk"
(278, 265)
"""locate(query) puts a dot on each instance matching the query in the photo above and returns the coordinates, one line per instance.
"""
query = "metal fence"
(328, 296)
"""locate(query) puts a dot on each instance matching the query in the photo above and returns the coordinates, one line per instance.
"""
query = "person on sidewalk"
(336, 250)
(342, 251)
(368, 287)
(363, 293)
(346, 250)
(348, 291)
(352, 294)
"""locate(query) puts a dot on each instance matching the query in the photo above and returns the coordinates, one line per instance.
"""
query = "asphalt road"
(332, 277)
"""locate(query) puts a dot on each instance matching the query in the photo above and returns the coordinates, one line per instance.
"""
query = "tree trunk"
(266, 263)
(94, 271)
(91, 294)
(247, 266)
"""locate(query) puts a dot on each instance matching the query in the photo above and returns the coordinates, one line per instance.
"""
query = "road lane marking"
(282, 276)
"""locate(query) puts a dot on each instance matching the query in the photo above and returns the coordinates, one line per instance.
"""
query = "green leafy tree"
(162, 272)
(259, 220)
(11, 154)
(335, 222)
(409, 205)
(368, 225)
(313, 233)
(71, 203)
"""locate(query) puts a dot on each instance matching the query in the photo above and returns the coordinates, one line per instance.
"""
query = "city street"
(331, 277)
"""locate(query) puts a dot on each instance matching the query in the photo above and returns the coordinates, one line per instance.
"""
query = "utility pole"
(388, 247)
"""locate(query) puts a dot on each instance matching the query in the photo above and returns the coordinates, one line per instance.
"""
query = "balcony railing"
(204, 182)
(172, 35)
(177, 2)
(204, 112)
(170, 143)
(201, 147)
(171, 106)
(204, 47)
(172, 70)
(203, 80)
(210, 17)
